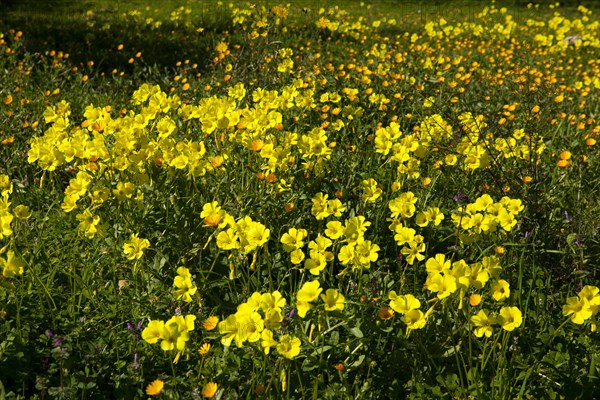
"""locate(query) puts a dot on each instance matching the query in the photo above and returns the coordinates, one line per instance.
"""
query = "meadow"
(314, 200)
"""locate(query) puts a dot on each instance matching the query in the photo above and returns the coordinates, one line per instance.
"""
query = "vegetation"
(213, 200)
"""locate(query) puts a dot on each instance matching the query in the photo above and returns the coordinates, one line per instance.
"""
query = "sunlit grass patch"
(214, 200)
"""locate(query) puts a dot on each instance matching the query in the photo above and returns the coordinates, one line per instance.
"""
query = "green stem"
(491, 350)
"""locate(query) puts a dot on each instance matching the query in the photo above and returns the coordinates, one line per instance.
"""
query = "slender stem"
(491, 350)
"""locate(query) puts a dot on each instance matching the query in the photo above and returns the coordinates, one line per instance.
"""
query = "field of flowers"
(214, 200)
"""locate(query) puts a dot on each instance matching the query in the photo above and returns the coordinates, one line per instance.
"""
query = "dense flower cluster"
(318, 174)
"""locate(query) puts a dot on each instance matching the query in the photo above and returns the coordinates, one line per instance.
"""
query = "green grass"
(78, 321)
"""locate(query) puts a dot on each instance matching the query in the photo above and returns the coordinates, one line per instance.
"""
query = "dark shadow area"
(70, 27)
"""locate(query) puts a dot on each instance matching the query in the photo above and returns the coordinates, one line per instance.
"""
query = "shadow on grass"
(96, 34)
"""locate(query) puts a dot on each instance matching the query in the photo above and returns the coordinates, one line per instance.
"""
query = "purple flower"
(136, 365)
(461, 198)
(49, 333)
(57, 341)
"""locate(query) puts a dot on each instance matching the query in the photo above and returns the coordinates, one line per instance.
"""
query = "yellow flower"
(12, 266)
(475, 299)
(204, 349)
(209, 390)
(124, 190)
(267, 340)
(444, 285)
(334, 230)
(153, 332)
(510, 318)
(8, 100)
(155, 388)
(22, 212)
(333, 299)
(414, 319)
(221, 47)
(213, 214)
(316, 264)
(437, 264)
(293, 239)
(366, 252)
(6, 186)
(565, 155)
(578, 308)
(210, 323)
(308, 292)
(483, 323)
(228, 240)
(385, 313)
(229, 329)
(297, 256)
(319, 206)
(183, 283)
(590, 294)
(371, 190)
(134, 247)
(272, 301)
(413, 251)
(175, 332)
(89, 224)
(403, 304)
(500, 290)
(289, 346)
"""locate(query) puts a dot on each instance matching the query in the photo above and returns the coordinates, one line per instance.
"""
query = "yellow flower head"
(183, 283)
(475, 299)
(483, 324)
(385, 313)
(12, 266)
(293, 239)
(578, 308)
(371, 190)
(309, 291)
(204, 349)
(267, 341)
(289, 346)
(154, 388)
(153, 332)
(510, 318)
(334, 230)
(333, 300)
(22, 212)
(134, 247)
(272, 301)
(500, 290)
(319, 206)
(212, 214)
(403, 304)
(209, 390)
(210, 323)
(414, 319)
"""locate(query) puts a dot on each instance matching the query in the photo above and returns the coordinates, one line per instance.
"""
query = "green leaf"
(356, 332)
